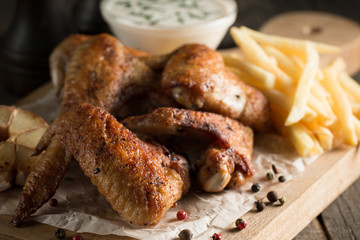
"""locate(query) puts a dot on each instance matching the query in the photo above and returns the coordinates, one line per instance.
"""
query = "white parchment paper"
(82, 209)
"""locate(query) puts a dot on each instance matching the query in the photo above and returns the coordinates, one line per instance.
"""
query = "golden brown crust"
(104, 73)
(140, 180)
(230, 142)
(196, 77)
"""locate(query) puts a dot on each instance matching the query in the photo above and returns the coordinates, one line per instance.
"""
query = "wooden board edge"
(307, 196)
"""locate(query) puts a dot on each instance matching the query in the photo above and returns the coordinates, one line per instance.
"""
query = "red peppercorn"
(77, 237)
(181, 215)
(241, 223)
(216, 236)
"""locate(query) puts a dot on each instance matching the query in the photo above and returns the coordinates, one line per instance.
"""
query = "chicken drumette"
(196, 77)
(227, 159)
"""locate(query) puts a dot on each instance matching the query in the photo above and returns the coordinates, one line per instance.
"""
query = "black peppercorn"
(260, 205)
(255, 187)
(185, 234)
(274, 168)
(60, 233)
(272, 196)
(53, 202)
(282, 179)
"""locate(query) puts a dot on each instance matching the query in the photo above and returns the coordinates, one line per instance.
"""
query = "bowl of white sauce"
(160, 26)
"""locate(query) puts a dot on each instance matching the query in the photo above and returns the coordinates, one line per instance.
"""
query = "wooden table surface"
(341, 219)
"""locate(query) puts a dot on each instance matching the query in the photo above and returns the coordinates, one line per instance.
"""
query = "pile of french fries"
(317, 109)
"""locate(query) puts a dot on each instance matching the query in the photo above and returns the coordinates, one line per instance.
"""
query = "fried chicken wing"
(196, 77)
(230, 150)
(104, 73)
(141, 181)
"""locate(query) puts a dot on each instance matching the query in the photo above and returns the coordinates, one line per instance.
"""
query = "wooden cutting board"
(309, 193)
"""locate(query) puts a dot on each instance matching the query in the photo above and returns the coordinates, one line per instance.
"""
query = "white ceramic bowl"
(159, 40)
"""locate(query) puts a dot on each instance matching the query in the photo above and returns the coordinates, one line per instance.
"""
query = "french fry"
(302, 91)
(265, 78)
(325, 114)
(288, 44)
(350, 85)
(284, 62)
(342, 106)
(301, 138)
(257, 55)
(323, 134)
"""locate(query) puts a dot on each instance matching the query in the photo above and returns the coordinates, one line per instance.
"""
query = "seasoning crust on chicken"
(229, 152)
(141, 181)
(104, 73)
(196, 77)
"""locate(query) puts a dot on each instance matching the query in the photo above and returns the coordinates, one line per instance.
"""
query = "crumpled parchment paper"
(82, 209)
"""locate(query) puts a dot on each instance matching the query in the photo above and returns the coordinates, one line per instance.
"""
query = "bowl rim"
(229, 15)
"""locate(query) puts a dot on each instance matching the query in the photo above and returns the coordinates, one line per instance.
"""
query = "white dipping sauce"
(166, 13)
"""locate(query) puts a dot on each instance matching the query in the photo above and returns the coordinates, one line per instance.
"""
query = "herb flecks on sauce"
(166, 13)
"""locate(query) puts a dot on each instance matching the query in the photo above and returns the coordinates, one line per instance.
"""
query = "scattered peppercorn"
(282, 200)
(274, 168)
(240, 223)
(181, 215)
(185, 234)
(282, 179)
(260, 205)
(272, 196)
(270, 175)
(60, 233)
(96, 170)
(53, 202)
(77, 237)
(255, 187)
(216, 236)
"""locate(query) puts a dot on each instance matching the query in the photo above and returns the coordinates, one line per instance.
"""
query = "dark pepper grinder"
(37, 27)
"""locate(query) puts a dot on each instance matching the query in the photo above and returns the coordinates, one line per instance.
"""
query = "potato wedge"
(24, 120)
(5, 118)
(7, 165)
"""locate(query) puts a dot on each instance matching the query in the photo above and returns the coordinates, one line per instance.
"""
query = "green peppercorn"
(255, 187)
(270, 175)
(185, 234)
(60, 233)
(282, 200)
(260, 206)
(282, 179)
(272, 196)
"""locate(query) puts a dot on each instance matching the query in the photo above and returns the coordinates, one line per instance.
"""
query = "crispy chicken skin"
(104, 73)
(141, 181)
(196, 77)
(60, 58)
(230, 150)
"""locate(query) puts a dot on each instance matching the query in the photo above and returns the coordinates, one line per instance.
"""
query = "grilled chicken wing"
(230, 150)
(101, 71)
(196, 77)
(140, 180)
(104, 73)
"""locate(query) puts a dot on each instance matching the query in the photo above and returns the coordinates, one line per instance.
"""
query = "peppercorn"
(260, 205)
(272, 196)
(282, 200)
(53, 202)
(181, 215)
(185, 234)
(240, 223)
(60, 233)
(216, 236)
(77, 237)
(255, 187)
(282, 179)
(270, 175)
(274, 168)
